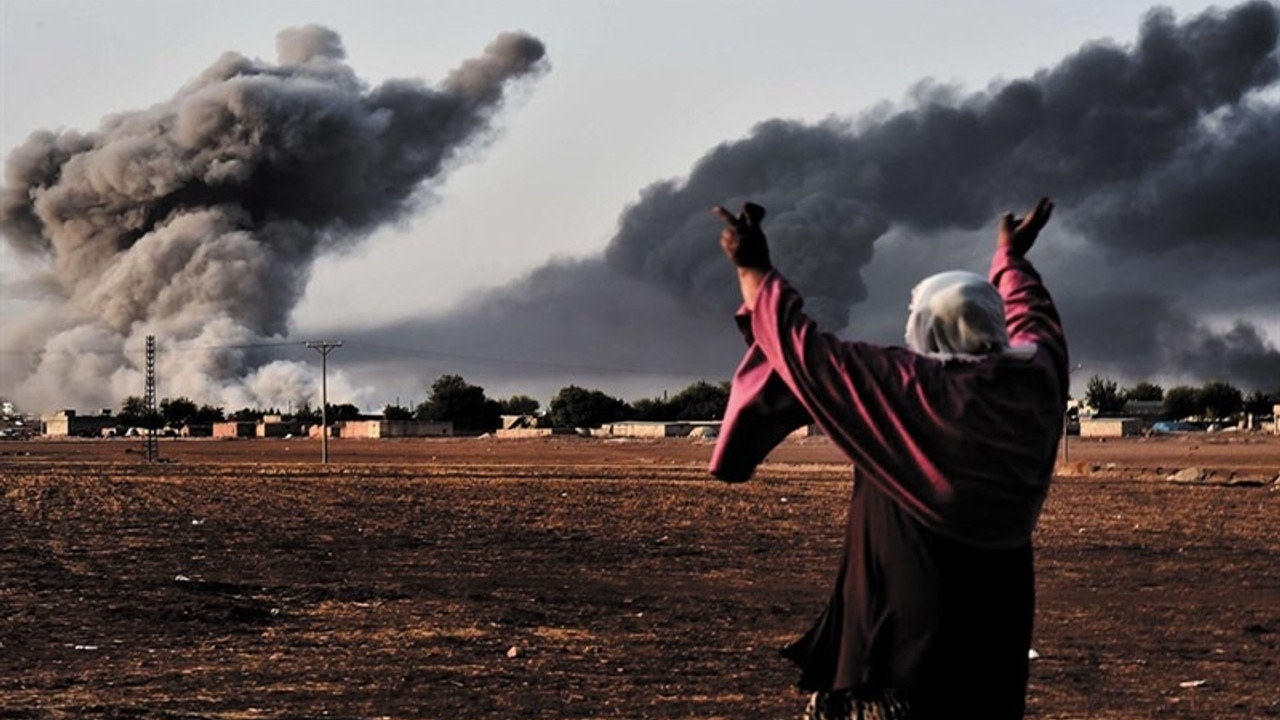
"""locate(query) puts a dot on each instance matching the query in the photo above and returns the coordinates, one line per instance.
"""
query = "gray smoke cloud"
(199, 219)
(1121, 137)
(1163, 155)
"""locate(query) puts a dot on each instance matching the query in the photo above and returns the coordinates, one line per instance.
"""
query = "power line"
(163, 350)
(403, 351)
(601, 369)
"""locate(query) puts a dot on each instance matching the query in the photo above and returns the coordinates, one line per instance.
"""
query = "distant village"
(458, 408)
(454, 408)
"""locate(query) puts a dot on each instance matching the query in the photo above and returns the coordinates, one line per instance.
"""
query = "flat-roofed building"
(275, 426)
(66, 423)
(235, 429)
(1110, 427)
(652, 429)
(378, 428)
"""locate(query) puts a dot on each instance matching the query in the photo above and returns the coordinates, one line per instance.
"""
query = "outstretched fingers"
(1033, 221)
(751, 216)
(729, 218)
(1040, 214)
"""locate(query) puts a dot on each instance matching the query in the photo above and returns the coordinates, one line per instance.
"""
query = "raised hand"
(1019, 233)
(742, 238)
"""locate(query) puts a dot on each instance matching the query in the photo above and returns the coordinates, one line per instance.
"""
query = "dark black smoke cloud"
(199, 219)
(1119, 136)
(1163, 155)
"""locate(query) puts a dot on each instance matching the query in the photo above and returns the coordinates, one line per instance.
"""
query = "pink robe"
(965, 445)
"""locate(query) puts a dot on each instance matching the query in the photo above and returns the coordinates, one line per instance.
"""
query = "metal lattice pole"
(151, 440)
(324, 347)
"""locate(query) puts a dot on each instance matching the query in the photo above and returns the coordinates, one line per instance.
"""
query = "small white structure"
(705, 432)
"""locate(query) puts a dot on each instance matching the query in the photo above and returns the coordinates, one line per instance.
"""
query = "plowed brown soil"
(575, 578)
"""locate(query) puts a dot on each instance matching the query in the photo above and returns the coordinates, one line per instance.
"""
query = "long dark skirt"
(937, 623)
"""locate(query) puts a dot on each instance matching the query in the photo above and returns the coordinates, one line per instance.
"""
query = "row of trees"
(176, 412)
(1214, 400)
(454, 400)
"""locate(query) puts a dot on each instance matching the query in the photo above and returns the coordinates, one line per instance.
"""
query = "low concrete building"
(66, 423)
(517, 433)
(1110, 427)
(275, 426)
(196, 430)
(390, 429)
(652, 429)
(235, 429)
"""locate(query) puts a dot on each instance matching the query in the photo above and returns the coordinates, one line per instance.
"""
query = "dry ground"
(242, 580)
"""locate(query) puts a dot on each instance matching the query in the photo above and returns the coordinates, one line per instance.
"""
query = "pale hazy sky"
(636, 93)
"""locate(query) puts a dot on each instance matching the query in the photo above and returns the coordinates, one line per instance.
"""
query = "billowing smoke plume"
(198, 219)
(1163, 156)
(1146, 147)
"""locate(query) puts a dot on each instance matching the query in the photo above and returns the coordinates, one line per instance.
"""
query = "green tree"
(132, 410)
(651, 409)
(1220, 400)
(134, 413)
(700, 401)
(306, 414)
(520, 405)
(1146, 391)
(208, 414)
(345, 411)
(178, 411)
(246, 414)
(1261, 403)
(461, 403)
(1103, 395)
(397, 412)
(1181, 402)
(578, 407)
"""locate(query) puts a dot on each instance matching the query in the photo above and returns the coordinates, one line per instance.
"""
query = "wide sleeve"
(761, 412)
(868, 399)
(965, 445)
(1030, 315)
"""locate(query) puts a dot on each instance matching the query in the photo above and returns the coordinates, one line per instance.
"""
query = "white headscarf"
(956, 313)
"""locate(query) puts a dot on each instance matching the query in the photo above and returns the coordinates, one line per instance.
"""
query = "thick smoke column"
(1166, 147)
(198, 219)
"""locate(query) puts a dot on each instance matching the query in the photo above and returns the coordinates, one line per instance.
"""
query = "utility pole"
(324, 347)
(1066, 419)
(151, 442)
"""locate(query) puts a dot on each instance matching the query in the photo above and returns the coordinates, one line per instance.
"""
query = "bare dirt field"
(576, 578)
